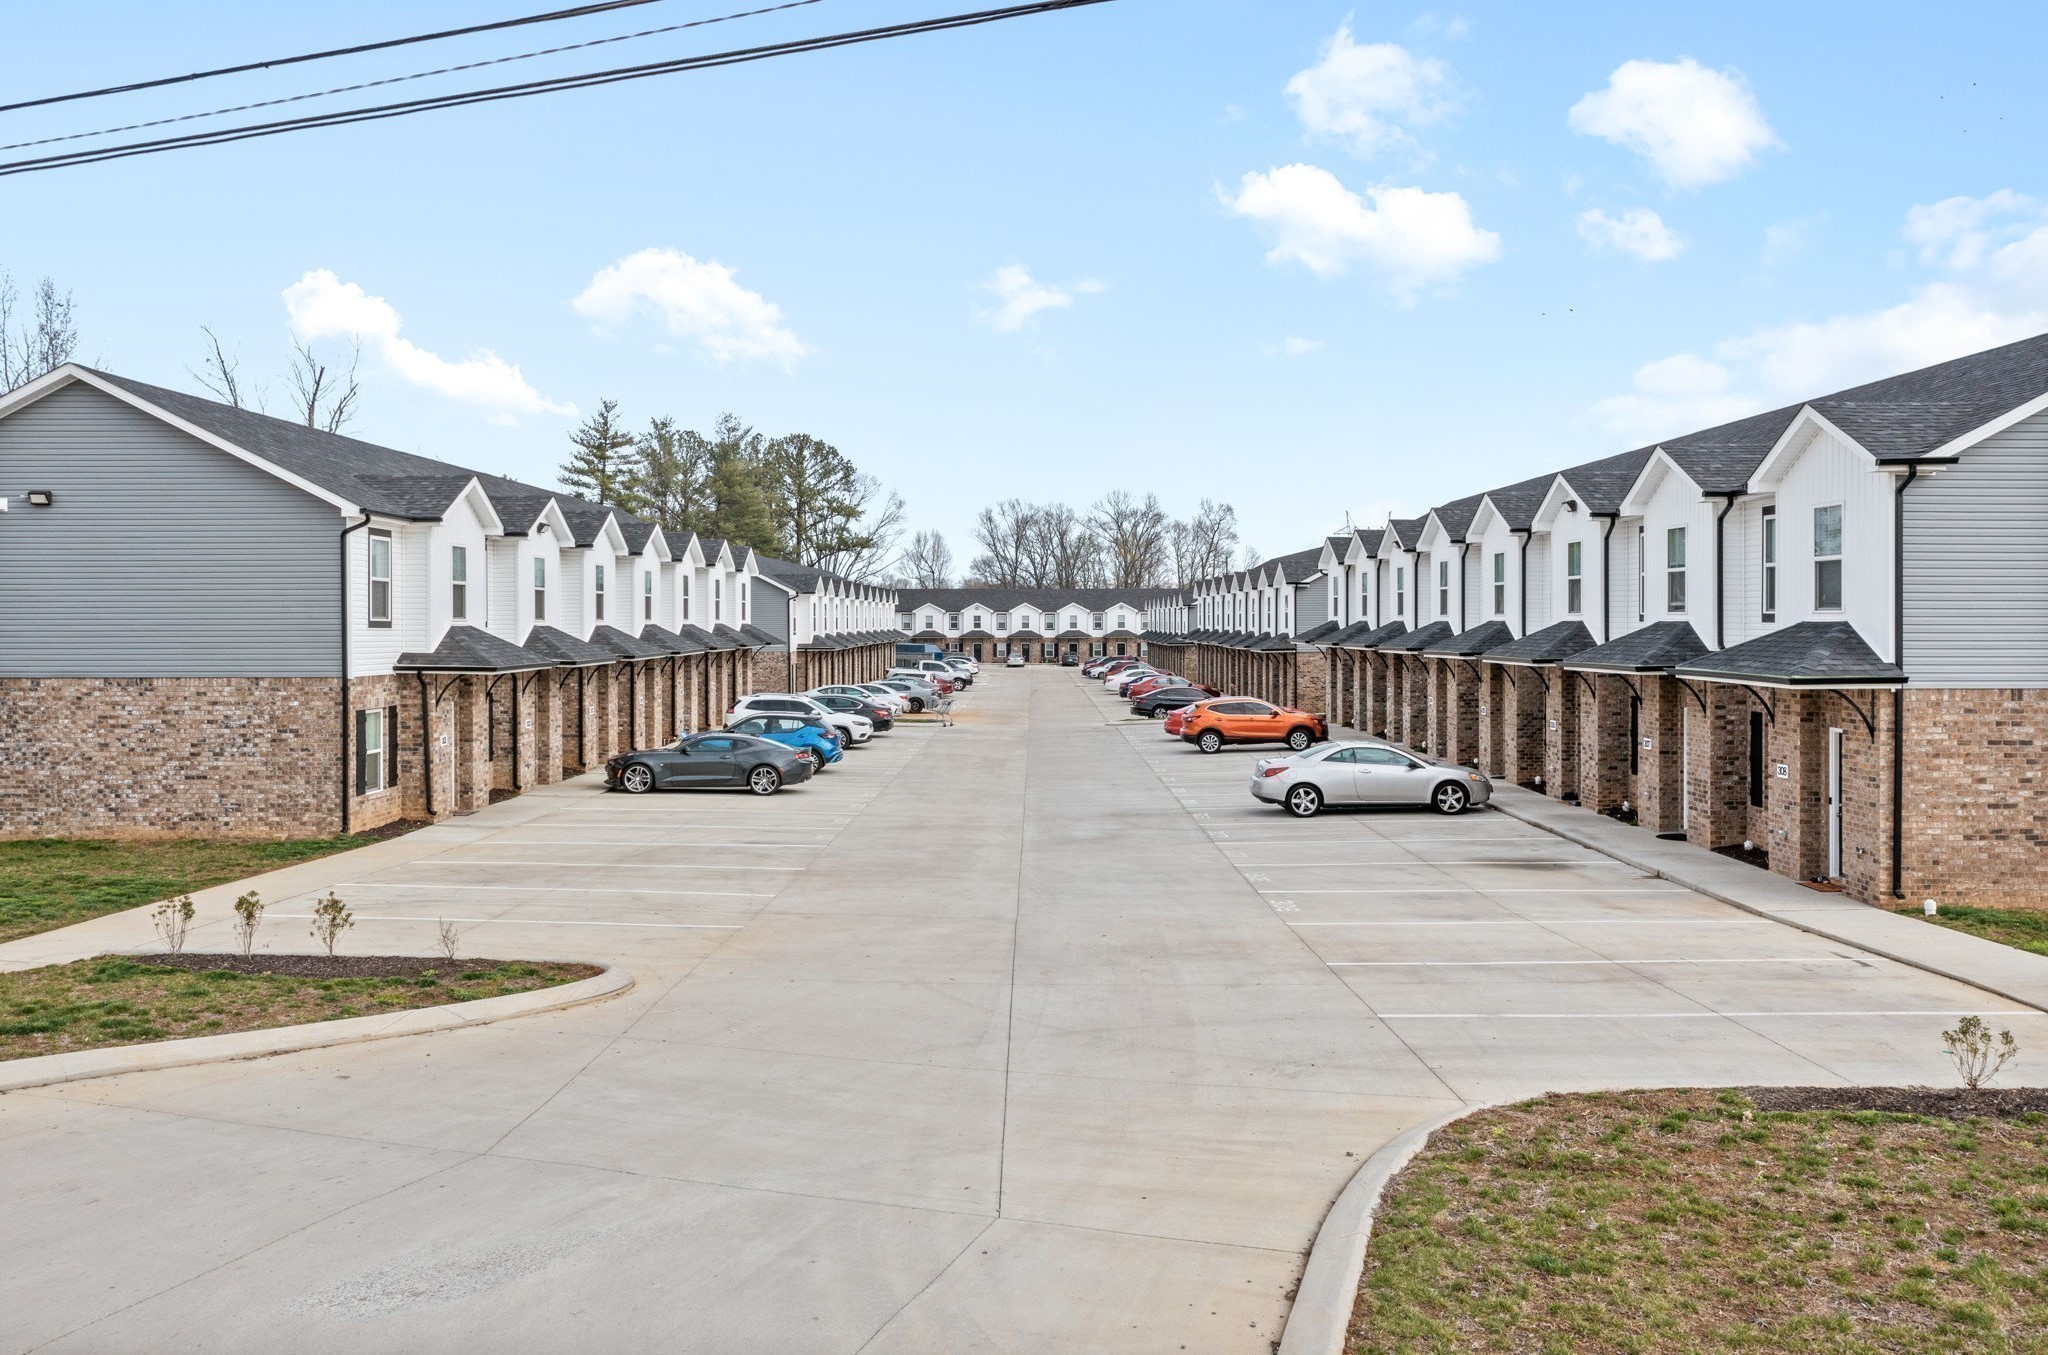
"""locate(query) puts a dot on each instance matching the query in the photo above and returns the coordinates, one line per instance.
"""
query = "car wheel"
(1159, 712)
(1298, 740)
(637, 779)
(1450, 798)
(1210, 741)
(916, 705)
(1304, 801)
(764, 781)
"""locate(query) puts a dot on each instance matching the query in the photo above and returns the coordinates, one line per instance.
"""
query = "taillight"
(1271, 771)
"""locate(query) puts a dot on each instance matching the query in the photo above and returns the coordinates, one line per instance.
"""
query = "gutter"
(426, 740)
(1720, 569)
(1463, 548)
(1523, 582)
(1607, 576)
(341, 548)
(1899, 695)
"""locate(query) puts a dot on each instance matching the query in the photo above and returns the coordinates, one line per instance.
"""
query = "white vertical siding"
(1831, 472)
(1542, 609)
(503, 584)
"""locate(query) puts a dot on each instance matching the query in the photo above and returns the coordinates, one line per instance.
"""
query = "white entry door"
(1834, 803)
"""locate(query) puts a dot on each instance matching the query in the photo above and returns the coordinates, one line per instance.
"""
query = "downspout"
(516, 685)
(1721, 571)
(1464, 623)
(341, 546)
(426, 740)
(582, 717)
(1899, 693)
(1522, 602)
(1607, 577)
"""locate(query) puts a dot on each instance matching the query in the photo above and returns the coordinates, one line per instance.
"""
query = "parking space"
(1511, 962)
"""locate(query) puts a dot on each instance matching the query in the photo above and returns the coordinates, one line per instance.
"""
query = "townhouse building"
(1815, 637)
(1253, 630)
(222, 623)
(1041, 624)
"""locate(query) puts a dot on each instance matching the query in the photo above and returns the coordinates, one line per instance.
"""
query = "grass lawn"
(46, 883)
(2021, 928)
(115, 999)
(1689, 1221)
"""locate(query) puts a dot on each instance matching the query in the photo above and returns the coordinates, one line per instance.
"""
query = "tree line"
(41, 338)
(794, 496)
(1120, 541)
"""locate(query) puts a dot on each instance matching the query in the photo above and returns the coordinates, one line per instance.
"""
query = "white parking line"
(543, 889)
(1224, 839)
(2000, 1012)
(588, 865)
(1564, 922)
(693, 846)
(1319, 865)
(533, 922)
(1514, 964)
(1473, 889)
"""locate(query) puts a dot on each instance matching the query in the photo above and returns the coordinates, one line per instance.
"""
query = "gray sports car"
(713, 761)
(1367, 773)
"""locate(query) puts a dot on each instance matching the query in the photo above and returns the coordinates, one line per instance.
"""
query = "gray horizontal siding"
(771, 610)
(1976, 566)
(161, 557)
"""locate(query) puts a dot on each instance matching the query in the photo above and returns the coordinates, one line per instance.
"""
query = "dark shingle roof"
(1553, 644)
(1601, 485)
(1318, 634)
(668, 641)
(758, 636)
(565, 648)
(1474, 642)
(701, 637)
(1294, 568)
(1456, 516)
(465, 649)
(1805, 654)
(1372, 637)
(1517, 503)
(1720, 460)
(1042, 599)
(1371, 538)
(1915, 412)
(623, 645)
(1655, 648)
(1406, 531)
(1416, 641)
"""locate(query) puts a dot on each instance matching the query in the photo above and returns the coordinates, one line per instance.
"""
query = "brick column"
(1717, 766)
(547, 697)
(1466, 680)
(1492, 712)
(471, 746)
(1660, 768)
(1526, 707)
(1604, 780)
(1798, 740)
(1561, 736)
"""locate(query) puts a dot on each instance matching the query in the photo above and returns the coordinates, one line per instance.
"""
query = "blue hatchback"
(804, 733)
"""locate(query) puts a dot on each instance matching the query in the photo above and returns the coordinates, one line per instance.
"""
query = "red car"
(1153, 684)
(1176, 721)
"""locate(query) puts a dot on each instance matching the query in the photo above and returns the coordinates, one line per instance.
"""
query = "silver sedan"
(1367, 774)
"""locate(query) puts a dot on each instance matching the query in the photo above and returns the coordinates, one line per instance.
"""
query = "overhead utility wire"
(402, 79)
(344, 117)
(577, 12)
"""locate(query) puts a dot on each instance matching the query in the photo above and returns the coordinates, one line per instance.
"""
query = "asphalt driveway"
(1029, 1034)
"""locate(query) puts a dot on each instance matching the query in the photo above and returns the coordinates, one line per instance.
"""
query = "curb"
(1320, 1318)
(1789, 920)
(50, 1069)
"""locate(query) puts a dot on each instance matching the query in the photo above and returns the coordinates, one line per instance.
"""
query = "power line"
(578, 12)
(402, 79)
(344, 117)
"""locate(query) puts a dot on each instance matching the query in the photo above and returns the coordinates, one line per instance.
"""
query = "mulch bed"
(1749, 856)
(1945, 1103)
(337, 966)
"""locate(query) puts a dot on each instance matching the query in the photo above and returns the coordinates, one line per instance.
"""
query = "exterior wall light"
(40, 498)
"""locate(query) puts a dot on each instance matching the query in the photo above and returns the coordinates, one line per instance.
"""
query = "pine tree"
(604, 464)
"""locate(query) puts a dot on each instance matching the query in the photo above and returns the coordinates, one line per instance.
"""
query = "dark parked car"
(1157, 702)
(714, 761)
(1070, 660)
(880, 717)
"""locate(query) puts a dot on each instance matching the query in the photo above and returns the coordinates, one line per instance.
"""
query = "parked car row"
(776, 739)
(1308, 777)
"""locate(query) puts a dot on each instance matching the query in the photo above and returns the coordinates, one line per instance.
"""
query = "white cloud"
(1785, 241)
(1021, 296)
(695, 300)
(322, 306)
(1694, 125)
(1295, 347)
(1413, 239)
(1369, 94)
(1638, 231)
(1987, 293)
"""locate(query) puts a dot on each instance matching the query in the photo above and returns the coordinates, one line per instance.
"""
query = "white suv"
(855, 728)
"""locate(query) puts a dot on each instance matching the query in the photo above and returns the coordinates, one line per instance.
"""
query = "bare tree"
(1004, 532)
(1135, 539)
(865, 553)
(1204, 544)
(43, 340)
(927, 561)
(221, 372)
(1065, 550)
(323, 398)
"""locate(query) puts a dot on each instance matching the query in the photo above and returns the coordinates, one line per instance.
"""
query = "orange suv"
(1243, 719)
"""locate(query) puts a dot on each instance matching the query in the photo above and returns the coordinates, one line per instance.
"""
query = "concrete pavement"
(1034, 1033)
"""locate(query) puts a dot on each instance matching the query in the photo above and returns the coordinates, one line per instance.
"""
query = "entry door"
(1834, 803)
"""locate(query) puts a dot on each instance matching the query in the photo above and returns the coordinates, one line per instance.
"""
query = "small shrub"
(248, 916)
(448, 939)
(173, 919)
(1977, 1053)
(331, 917)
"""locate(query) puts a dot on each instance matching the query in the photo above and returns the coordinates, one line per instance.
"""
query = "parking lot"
(1032, 1033)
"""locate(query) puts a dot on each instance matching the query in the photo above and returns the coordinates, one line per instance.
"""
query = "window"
(1500, 583)
(1123, 622)
(1362, 613)
(930, 622)
(1827, 558)
(1002, 621)
(600, 592)
(1096, 618)
(743, 602)
(458, 583)
(717, 599)
(646, 595)
(684, 576)
(1383, 757)
(1574, 577)
(540, 589)
(380, 578)
(1674, 569)
(1642, 596)
(904, 621)
(376, 768)
(1443, 588)
(1770, 569)
(978, 621)
(1400, 590)
(952, 621)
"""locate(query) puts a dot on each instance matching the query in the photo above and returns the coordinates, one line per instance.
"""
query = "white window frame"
(458, 583)
(1500, 583)
(377, 601)
(540, 588)
(1574, 578)
(1768, 548)
(376, 774)
(1400, 590)
(1443, 590)
(646, 595)
(598, 593)
(1674, 573)
(1820, 561)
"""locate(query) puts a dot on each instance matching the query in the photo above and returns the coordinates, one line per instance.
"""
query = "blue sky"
(1027, 259)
